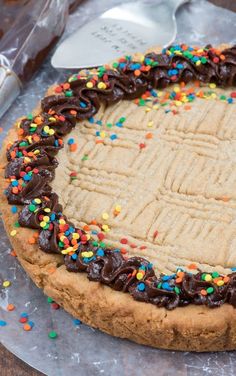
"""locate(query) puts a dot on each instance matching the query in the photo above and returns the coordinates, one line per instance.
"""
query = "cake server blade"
(124, 29)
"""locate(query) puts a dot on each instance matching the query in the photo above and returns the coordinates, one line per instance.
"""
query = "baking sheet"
(80, 349)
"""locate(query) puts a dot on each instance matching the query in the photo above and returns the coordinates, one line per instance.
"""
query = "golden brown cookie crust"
(195, 328)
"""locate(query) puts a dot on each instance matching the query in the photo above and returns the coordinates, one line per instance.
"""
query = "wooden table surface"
(10, 365)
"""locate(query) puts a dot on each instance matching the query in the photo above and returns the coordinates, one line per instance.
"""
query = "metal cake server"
(127, 28)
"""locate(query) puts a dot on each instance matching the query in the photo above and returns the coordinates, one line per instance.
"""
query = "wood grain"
(10, 365)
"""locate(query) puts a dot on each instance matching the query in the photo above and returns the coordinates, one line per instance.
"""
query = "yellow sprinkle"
(148, 109)
(62, 221)
(46, 128)
(47, 210)
(46, 218)
(89, 85)
(52, 119)
(139, 275)
(150, 123)
(118, 208)
(26, 160)
(36, 151)
(212, 85)
(51, 132)
(101, 85)
(6, 284)
(198, 62)
(176, 89)
(105, 216)
(75, 235)
(37, 201)
(155, 107)
(213, 95)
(13, 232)
(43, 224)
(105, 228)
(178, 103)
(220, 283)
(208, 278)
(103, 134)
(159, 94)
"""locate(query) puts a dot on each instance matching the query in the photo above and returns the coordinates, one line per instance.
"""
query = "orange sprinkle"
(222, 57)
(149, 135)
(123, 251)
(86, 228)
(98, 142)
(73, 112)
(52, 270)
(93, 222)
(20, 131)
(179, 280)
(226, 279)
(13, 253)
(187, 107)
(66, 86)
(180, 274)
(36, 235)
(38, 120)
(27, 327)
(137, 72)
(203, 292)
(10, 307)
(31, 240)
(73, 147)
(225, 199)
(192, 266)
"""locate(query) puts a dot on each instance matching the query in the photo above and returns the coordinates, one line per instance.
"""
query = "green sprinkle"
(215, 275)
(95, 244)
(102, 245)
(177, 290)
(210, 290)
(203, 60)
(223, 97)
(32, 208)
(203, 276)
(122, 119)
(50, 300)
(84, 158)
(159, 285)
(30, 117)
(109, 125)
(69, 93)
(115, 65)
(16, 224)
(52, 334)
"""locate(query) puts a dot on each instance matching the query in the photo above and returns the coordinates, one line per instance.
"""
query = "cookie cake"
(118, 194)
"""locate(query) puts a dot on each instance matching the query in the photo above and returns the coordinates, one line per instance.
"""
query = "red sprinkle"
(101, 236)
(124, 241)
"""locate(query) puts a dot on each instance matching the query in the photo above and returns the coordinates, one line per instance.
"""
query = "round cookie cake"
(123, 185)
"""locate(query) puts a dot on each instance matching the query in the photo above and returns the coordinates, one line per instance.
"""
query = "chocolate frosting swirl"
(31, 165)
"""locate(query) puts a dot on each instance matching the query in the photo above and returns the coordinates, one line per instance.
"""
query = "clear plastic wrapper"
(28, 31)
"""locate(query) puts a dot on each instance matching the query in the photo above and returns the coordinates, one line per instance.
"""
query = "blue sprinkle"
(31, 323)
(100, 252)
(53, 217)
(230, 100)
(154, 93)
(24, 314)
(116, 250)
(122, 65)
(91, 120)
(150, 266)
(233, 269)
(56, 143)
(14, 183)
(113, 136)
(74, 256)
(82, 104)
(174, 72)
(166, 278)
(119, 124)
(166, 286)
(180, 66)
(99, 122)
(27, 177)
(70, 141)
(97, 133)
(3, 323)
(142, 267)
(94, 232)
(77, 322)
(14, 209)
(141, 286)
